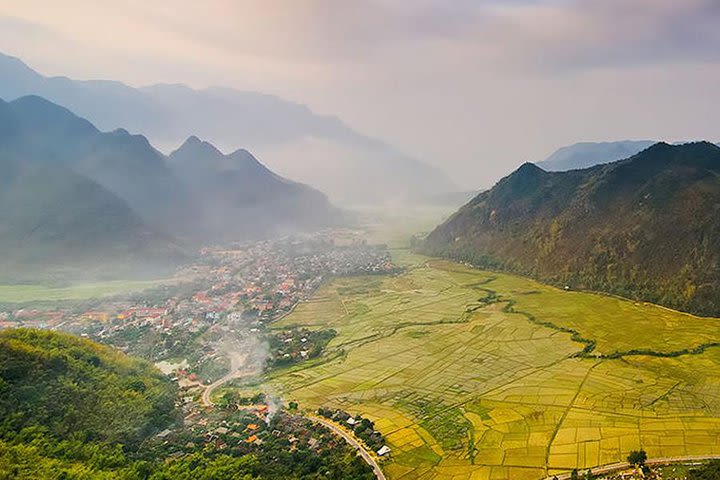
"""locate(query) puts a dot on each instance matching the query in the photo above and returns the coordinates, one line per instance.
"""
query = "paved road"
(605, 469)
(353, 443)
(236, 362)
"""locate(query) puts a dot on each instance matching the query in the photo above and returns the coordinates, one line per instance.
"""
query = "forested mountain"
(588, 154)
(300, 144)
(239, 195)
(645, 227)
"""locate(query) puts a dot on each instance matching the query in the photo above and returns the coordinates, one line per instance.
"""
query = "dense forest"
(73, 409)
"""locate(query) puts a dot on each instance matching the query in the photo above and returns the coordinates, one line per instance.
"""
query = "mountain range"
(300, 144)
(238, 195)
(70, 193)
(646, 227)
(588, 154)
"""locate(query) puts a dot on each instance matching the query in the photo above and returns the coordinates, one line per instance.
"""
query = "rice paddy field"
(482, 375)
(45, 293)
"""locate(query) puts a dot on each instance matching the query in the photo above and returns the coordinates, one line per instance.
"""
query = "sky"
(474, 87)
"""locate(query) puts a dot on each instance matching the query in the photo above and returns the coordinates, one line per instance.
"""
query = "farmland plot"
(482, 375)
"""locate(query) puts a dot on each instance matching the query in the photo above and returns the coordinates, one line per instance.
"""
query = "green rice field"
(482, 375)
(32, 293)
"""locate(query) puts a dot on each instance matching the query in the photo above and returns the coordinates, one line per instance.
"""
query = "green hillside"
(74, 409)
(70, 405)
(65, 386)
(645, 227)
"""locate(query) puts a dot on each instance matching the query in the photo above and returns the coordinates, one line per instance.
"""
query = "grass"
(33, 293)
(479, 375)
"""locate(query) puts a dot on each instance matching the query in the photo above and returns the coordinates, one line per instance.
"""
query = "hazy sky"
(476, 87)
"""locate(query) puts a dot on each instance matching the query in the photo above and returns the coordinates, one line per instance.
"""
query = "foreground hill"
(239, 195)
(67, 405)
(588, 154)
(66, 384)
(73, 409)
(316, 149)
(645, 227)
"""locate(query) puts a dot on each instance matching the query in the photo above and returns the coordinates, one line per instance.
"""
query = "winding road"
(237, 361)
(369, 459)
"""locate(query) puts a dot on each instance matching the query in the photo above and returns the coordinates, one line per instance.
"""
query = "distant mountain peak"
(42, 112)
(529, 168)
(196, 147)
(587, 154)
(15, 62)
(244, 155)
(526, 177)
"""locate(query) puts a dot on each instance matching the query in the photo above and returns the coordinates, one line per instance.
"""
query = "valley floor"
(44, 293)
(482, 375)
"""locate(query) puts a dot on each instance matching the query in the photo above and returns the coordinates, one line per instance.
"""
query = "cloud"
(474, 86)
(613, 32)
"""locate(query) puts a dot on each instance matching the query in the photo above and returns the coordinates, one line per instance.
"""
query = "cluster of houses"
(361, 427)
(231, 292)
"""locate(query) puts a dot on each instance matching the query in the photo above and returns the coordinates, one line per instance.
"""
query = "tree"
(574, 474)
(637, 458)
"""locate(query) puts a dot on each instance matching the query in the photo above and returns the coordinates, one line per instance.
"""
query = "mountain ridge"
(239, 187)
(72, 194)
(587, 154)
(335, 157)
(637, 227)
(52, 214)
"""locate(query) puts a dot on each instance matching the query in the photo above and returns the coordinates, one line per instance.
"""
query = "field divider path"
(566, 413)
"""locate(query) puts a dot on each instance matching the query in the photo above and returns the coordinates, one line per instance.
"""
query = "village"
(215, 324)
(231, 293)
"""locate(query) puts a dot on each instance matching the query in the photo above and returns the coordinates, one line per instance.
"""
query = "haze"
(472, 87)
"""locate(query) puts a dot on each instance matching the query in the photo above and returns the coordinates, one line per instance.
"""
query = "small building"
(383, 451)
